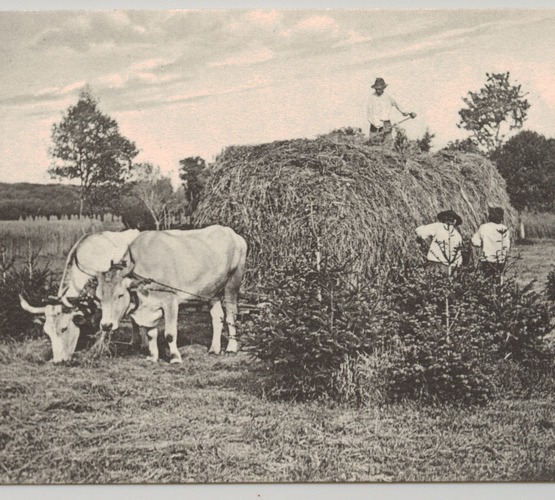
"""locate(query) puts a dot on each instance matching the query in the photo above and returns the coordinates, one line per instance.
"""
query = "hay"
(355, 201)
(100, 349)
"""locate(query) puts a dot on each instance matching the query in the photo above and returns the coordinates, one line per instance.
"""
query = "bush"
(317, 321)
(421, 336)
(550, 285)
(35, 285)
(454, 333)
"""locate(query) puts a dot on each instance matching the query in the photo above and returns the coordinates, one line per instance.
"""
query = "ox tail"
(69, 260)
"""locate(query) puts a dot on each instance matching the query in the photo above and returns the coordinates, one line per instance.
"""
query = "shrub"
(420, 335)
(34, 283)
(317, 321)
(454, 333)
(550, 285)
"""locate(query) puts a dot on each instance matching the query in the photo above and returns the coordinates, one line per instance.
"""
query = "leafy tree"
(133, 212)
(193, 173)
(527, 163)
(88, 147)
(155, 191)
(494, 105)
(425, 142)
(467, 145)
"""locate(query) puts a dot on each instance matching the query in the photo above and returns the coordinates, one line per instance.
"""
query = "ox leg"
(230, 318)
(217, 314)
(139, 340)
(170, 331)
(152, 335)
(231, 306)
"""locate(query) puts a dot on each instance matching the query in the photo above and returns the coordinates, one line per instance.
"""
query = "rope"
(150, 280)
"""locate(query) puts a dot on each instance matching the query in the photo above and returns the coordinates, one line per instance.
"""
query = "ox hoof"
(152, 359)
(214, 352)
(175, 360)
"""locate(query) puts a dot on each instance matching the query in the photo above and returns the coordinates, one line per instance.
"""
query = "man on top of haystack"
(378, 110)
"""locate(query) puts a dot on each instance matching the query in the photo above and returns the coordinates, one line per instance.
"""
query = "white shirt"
(495, 241)
(378, 109)
(446, 246)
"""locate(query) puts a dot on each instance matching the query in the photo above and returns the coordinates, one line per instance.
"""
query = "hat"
(449, 215)
(495, 214)
(379, 84)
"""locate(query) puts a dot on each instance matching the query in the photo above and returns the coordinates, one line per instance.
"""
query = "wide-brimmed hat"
(449, 215)
(379, 84)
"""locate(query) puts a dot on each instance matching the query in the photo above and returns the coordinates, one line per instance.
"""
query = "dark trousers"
(381, 130)
(492, 269)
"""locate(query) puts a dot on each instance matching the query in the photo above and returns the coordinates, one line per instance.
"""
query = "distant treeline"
(24, 200)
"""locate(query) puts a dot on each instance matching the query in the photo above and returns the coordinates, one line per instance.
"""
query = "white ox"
(63, 325)
(91, 256)
(169, 268)
(88, 258)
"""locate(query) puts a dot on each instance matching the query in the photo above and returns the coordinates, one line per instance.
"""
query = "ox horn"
(29, 308)
(66, 301)
(122, 265)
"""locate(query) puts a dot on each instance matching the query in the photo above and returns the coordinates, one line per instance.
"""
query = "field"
(49, 240)
(126, 420)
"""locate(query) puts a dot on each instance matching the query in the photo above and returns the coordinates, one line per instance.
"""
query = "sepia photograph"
(277, 246)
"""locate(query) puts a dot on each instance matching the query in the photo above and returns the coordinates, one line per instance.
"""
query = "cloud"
(245, 58)
(82, 32)
(317, 23)
(263, 17)
(256, 83)
(47, 95)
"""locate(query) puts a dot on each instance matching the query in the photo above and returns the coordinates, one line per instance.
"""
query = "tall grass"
(47, 237)
(539, 225)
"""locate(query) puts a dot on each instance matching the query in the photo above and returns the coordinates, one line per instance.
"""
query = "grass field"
(533, 261)
(125, 420)
(541, 225)
(53, 238)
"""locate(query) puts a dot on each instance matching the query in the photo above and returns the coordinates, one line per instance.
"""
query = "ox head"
(113, 293)
(61, 324)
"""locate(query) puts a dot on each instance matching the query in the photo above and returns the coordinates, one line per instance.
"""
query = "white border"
(427, 491)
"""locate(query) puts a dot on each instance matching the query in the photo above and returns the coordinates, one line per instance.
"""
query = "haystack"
(343, 197)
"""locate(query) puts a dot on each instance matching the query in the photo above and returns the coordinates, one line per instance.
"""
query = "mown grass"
(125, 420)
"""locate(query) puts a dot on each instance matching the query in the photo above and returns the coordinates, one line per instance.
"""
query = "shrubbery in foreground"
(35, 283)
(423, 336)
(316, 321)
(454, 338)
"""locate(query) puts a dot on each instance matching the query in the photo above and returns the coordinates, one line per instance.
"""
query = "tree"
(88, 146)
(498, 103)
(527, 163)
(193, 174)
(425, 143)
(467, 145)
(133, 212)
(156, 192)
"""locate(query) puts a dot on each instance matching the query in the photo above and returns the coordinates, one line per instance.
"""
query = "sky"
(186, 83)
